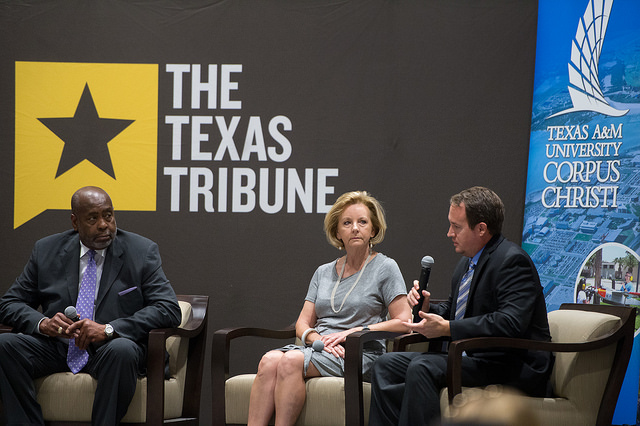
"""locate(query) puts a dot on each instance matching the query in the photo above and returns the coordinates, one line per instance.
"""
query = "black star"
(85, 135)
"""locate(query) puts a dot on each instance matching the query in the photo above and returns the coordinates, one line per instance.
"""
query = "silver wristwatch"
(108, 330)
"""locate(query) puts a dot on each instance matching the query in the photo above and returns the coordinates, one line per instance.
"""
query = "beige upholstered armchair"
(592, 345)
(67, 399)
(330, 400)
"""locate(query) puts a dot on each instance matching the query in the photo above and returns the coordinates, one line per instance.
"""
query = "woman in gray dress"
(357, 291)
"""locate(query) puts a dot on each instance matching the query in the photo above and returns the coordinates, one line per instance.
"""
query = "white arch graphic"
(584, 84)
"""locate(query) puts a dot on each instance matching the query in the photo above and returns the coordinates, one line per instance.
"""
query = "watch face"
(108, 329)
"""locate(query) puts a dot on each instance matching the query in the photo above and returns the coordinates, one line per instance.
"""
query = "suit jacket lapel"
(69, 259)
(482, 261)
(112, 265)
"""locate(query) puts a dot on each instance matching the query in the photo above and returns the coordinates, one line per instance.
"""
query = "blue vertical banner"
(581, 222)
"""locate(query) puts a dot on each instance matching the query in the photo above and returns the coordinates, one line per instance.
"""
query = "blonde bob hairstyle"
(347, 199)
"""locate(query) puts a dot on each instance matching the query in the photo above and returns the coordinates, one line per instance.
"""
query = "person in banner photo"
(352, 293)
(582, 292)
(111, 283)
(495, 291)
(628, 285)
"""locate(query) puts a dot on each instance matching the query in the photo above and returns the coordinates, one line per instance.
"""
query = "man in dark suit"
(115, 280)
(495, 291)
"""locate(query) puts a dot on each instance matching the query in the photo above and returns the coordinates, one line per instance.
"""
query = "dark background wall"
(410, 100)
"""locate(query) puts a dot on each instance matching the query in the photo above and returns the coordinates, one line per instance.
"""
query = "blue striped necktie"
(463, 292)
(76, 357)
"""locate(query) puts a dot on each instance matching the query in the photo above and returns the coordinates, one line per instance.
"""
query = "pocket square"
(129, 290)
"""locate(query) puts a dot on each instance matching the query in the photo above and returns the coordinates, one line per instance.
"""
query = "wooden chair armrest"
(229, 334)
(155, 370)
(220, 347)
(401, 342)
(354, 398)
(195, 330)
(157, 344)
(199, 315)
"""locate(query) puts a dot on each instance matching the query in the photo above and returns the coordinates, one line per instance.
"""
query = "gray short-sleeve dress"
(367, 304)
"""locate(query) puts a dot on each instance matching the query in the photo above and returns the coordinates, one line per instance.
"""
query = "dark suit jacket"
(134, 296)
(505, 298)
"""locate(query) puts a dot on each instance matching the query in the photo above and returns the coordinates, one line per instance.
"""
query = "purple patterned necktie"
(76, 357)
(463, 292)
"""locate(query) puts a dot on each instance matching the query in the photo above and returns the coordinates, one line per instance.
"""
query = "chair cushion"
(237, 391)
(324, 404)
(77, 405)
(571, 369)
(549, 411)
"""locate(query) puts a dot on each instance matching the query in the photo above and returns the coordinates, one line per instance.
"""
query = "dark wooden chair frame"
(196, 331)
(621, 337)
(220, 355)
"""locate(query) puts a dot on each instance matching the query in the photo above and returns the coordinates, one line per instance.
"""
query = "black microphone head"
(317, 345)
(426, 262)
(71, 313)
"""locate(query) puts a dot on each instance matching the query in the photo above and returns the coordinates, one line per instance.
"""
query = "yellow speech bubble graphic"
(113, 145)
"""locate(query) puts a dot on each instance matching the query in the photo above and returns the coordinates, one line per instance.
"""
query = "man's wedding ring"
(59, 330)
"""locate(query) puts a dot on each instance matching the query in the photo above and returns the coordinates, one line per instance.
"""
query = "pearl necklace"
(335, 287)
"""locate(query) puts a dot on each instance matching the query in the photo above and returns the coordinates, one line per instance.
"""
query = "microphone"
(426, 264)
(71, 313)
(317, 345)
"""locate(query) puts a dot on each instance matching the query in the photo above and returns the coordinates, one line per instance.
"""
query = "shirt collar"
(84, 249)
(474, 259)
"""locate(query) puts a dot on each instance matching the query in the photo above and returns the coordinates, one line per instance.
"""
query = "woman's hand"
(333, 342)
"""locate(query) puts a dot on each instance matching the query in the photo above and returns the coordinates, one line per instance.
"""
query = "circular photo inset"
(609, 273)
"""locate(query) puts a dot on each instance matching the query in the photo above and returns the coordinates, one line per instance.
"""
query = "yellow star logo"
(81, 124)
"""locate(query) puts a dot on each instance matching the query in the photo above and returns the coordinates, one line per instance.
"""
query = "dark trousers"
(26, 357)
(405, 386)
